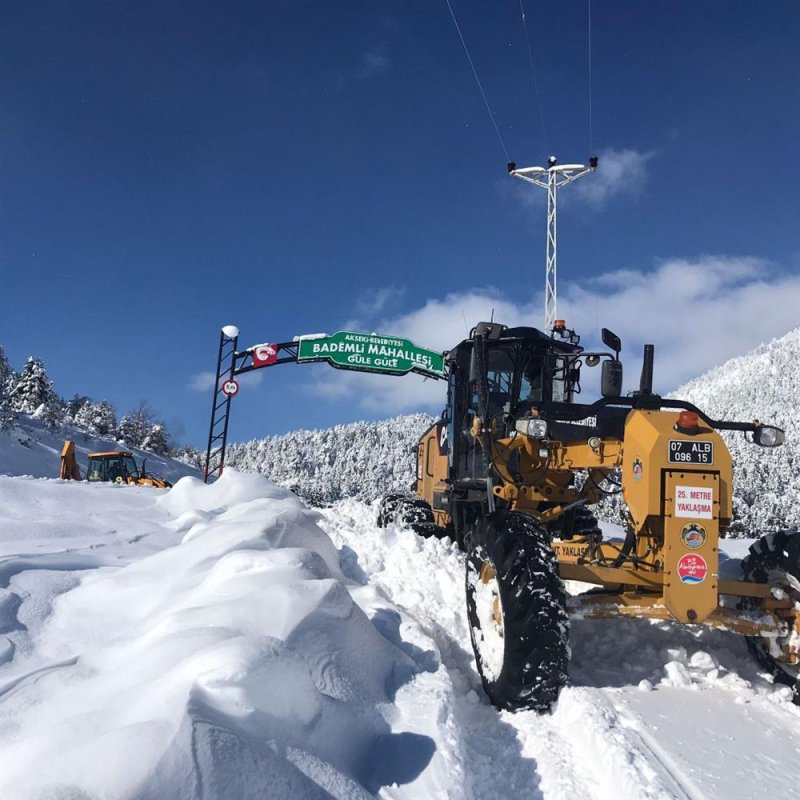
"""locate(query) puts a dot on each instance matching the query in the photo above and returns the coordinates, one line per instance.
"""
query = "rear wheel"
(579, 521)
(516, 606)
(407, 511)
(775, 559)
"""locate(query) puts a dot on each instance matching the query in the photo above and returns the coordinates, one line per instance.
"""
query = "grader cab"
(511, 470)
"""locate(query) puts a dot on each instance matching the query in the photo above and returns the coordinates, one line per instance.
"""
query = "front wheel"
(775, 559)
(516, 606)
(407, 511)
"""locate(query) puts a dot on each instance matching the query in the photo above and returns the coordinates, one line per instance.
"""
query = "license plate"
(683, 451)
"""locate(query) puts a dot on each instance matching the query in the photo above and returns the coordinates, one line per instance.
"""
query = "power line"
(590, 76)
(478, 81)
(533, 73)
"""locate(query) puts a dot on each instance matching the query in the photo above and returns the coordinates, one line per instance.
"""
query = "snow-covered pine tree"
(99, 419)
(105, 419)
(7, 375)
(74, 405)
(7, 415)
(7, 380)
(134, 427)
(189, 455)
(129, 432)
(157, 439)
(34, 394)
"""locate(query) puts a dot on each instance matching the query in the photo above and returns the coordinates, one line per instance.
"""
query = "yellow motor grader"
(510, 471)
(115, 466)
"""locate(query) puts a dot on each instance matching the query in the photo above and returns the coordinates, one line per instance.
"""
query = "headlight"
(768, 436)
(532, 426)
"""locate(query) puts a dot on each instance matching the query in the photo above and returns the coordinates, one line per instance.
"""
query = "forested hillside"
(764, 385)
(362, 460)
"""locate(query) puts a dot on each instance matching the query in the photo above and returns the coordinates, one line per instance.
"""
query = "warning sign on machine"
(694, 501)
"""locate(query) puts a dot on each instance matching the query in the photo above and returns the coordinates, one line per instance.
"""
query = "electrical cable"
(590, 72)
(478, 81)
(533, 73)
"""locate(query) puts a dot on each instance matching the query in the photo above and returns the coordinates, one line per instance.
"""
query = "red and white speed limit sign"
(230, 388)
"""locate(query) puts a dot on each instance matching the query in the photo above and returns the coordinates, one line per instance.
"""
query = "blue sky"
(299, 167)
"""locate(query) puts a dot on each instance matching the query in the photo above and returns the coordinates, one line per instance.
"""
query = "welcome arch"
(348, 350)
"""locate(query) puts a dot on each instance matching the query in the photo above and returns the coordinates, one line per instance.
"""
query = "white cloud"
(618, 172)
(698, 313)
(253, 378)
(201, 381)
(370, 304)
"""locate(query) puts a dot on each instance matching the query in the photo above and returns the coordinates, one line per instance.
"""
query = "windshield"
(130, 467)
(514, 376)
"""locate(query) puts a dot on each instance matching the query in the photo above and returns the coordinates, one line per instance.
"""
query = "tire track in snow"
(506, 755)
(595, 745)
(681, 785)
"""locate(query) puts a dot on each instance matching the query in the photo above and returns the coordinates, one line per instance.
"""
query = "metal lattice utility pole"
(552, 177)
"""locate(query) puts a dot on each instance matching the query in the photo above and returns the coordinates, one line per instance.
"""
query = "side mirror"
(768, 436)
(611, 379)
(611, 340)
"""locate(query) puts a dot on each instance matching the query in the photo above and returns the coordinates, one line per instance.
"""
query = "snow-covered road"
(656, 710)
(228, 642)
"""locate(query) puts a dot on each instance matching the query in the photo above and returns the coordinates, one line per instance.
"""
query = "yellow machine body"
(677, 511)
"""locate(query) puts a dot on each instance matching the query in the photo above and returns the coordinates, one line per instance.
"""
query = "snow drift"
(234, 663)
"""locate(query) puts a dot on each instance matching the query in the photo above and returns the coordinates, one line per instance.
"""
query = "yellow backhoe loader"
(115, 466)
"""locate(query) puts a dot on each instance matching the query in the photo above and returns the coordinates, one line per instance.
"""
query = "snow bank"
(234, 664)
(226, 641)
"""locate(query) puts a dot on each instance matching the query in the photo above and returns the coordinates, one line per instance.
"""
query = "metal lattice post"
(551, 284)
(221, 402)
(551, 178)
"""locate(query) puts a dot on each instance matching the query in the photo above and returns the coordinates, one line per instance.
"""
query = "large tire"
(580, 521)
(387, 509)
(516, 606)
(408, 512)
(775, 559)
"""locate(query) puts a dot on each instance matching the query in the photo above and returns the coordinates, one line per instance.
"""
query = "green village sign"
(370, 352)
(363, 352)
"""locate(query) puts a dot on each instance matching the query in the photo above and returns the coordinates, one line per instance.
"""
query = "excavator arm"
(69, 464)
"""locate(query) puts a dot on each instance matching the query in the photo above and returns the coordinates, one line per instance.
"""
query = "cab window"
(560, 389)
(114, 469)
(130, 467)
(95, 470)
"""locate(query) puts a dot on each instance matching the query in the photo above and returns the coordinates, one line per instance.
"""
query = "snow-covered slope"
(31, 448)
(225, 641)
(363, 459)
(765, 385)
